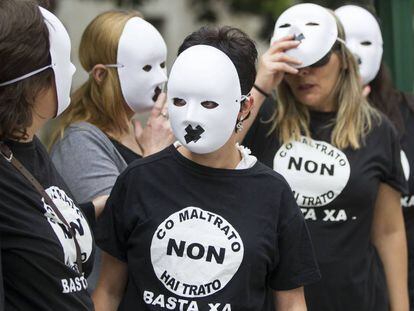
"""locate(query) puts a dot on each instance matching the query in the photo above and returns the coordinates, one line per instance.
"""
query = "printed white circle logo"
(75, 219)
(316, 171)
(405, 165)
(195, 253)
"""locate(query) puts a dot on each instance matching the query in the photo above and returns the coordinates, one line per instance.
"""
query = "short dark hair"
(235, 44)
(24, 47)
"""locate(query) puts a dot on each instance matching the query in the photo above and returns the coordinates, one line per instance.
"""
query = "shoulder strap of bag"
(8, 155)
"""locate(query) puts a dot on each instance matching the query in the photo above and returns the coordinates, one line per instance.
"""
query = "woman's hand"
(275, 63)
(157, 135)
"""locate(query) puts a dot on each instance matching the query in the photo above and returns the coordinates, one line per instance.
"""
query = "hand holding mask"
(311, 24)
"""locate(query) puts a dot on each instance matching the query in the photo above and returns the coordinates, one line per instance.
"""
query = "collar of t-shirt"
(247, 160)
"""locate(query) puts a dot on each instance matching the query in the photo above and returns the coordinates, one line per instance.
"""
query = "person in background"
(364, 39)
(46, 241)
(95, 139)
(341, 158)
(202, 224)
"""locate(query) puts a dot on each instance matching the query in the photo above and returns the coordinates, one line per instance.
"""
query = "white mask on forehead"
(60, 60)
(363, 39)
(141, 58)
(200, 75)
(311, 24)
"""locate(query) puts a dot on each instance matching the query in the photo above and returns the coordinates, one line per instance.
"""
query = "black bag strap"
(8, 155)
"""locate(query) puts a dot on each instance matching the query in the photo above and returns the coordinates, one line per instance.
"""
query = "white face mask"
(311, 24)
(142, 53)
(204, 98)
(363, 39)
(60, 55)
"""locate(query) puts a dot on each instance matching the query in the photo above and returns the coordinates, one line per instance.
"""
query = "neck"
(227, 157)
(37, 123)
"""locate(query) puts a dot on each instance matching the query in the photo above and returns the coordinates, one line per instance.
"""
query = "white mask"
(363, 39)
(142, 53)
(311, 24)
(199, 75)
(60, 55)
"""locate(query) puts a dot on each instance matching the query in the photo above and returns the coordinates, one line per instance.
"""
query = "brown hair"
(386, 98)
(100, 104)
(355, 116)
(24, 47)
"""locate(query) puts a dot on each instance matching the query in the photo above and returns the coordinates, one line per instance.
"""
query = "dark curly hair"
(235, 44)
(24, 47)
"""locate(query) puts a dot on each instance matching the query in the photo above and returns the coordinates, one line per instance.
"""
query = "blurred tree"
(269, 10)
(208, 10)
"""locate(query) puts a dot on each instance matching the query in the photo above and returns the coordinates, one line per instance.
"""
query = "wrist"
(265, 85)
(261, 91)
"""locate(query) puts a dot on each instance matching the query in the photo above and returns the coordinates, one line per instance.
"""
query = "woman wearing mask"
(364, 39)
(95, 139)
(46, 242)
(192, 236)
(342, 160)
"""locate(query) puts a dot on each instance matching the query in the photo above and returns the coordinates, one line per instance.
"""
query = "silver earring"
(239, 126)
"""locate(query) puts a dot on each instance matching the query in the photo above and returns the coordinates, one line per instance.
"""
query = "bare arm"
(290, 300)
(111, 285)
(388, 236)
(273, 65)
(99, 204)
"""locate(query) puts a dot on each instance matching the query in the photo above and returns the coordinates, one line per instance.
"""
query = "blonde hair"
(354, 119)
(100, 104)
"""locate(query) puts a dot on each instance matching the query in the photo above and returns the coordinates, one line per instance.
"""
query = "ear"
(98, 72)
(245, 108)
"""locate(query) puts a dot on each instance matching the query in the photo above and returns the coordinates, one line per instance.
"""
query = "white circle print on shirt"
(316, 171)
(405, 165)
(75, 219)
(195, 253)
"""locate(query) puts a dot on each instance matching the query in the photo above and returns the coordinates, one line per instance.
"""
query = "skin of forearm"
(392, 248)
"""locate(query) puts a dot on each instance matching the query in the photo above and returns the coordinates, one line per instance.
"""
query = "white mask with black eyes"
(363, 39)
(141, 64)
(311, 24)
(204, 98)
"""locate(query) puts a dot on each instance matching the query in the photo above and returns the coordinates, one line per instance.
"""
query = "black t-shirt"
(199, 238)
(128, 155)
(38, 253)
(336, 190)
(407, 159)
(407, 156)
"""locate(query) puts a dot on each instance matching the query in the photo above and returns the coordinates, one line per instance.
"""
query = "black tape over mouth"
(193, 134)
(157, 92)
(299, 37)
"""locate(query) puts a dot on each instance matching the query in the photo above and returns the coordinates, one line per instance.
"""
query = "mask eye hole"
(312, 24)
(147, 68)
(208, 104)
(162, 65)
(284, 26)
(179, 102)
(366, 43)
